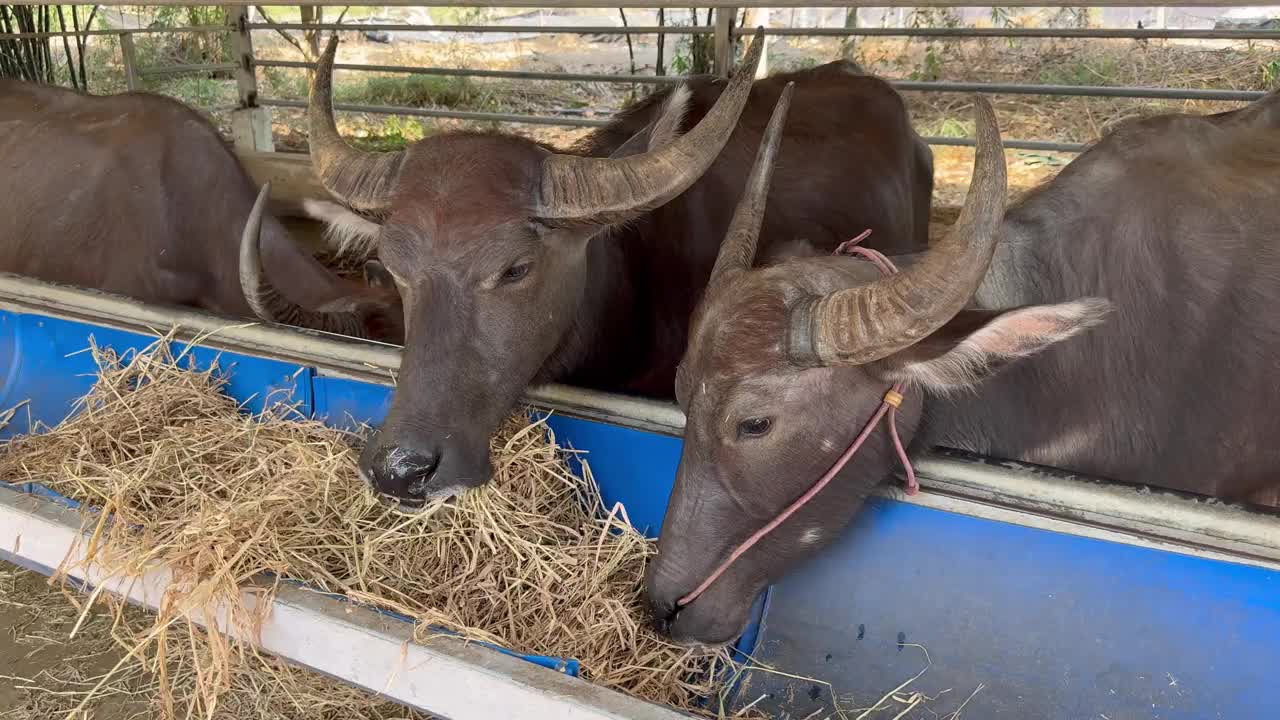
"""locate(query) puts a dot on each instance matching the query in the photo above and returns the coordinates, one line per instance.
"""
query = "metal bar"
(513, 29)
(184, 69)
(129, 60)
(962, 33)
(450, 677)
(1044, 145)
(1078, 90)
(594, 122)
(332, 355)
(1164, 515)
(908, 85)
(467, 72)
(454, 114)
(121, 31)
(594, 4)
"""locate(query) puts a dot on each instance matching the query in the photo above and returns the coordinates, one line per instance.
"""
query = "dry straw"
(533, 561)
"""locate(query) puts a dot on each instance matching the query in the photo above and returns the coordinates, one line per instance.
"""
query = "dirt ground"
(42, 672)
(44, 675)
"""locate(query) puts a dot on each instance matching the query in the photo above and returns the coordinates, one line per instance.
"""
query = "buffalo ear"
(346, 232)
(377, 276)
(664, 129)
(977, 343)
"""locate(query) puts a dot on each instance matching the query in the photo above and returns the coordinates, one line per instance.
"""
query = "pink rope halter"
(888, 406)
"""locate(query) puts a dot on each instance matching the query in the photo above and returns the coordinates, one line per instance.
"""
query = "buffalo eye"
(515, 273)
(754, 427)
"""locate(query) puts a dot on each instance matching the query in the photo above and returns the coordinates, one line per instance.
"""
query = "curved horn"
(361, 180)
(592, 190)
(267, 302)
(738, 251)
(863, 324)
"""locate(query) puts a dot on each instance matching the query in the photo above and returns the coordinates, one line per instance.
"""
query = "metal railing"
(724, 34)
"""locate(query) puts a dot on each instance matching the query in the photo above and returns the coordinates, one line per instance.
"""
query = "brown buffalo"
(519, 263)
(1116, 322)
(137, 194)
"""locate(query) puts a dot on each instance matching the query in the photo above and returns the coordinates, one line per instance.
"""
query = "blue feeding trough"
(1015, 592)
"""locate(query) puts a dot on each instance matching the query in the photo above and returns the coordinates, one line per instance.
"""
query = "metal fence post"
(129, 59)
(250, 123)
(723, 55)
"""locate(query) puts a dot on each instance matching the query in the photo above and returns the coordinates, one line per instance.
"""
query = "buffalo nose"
(403, 473)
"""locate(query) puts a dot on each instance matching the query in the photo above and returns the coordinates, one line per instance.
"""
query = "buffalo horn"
(361, 180)
(579, 190)
(865, 323)
(738, 251)
(267, 302)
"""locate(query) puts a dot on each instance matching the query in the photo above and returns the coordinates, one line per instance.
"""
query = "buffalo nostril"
(662, 621)
(416, 473)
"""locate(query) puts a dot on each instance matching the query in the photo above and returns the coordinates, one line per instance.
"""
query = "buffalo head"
(488, 238)
(785, 364)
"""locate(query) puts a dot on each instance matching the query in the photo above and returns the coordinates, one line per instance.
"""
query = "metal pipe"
(908, 85)
(594, 4)
(1042, 145)
(454, 114)
(121, 31)
(467, 72)
(959, 33)
(962, 33)
(1078, 90)
(594, 122)
(185, 69)
(513, 29)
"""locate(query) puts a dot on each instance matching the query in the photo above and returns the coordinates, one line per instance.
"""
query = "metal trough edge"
(957, 482)
(1056, 500)
(448, 678)
(333, 355)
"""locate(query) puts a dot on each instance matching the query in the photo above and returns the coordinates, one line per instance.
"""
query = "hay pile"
(533, 561)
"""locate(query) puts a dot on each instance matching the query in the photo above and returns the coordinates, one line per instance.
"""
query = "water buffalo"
(137, 194)
(521, 264)
(1116, 322)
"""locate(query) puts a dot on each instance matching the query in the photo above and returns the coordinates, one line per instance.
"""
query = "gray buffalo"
(519, 263)
(1118, 321)
(137, 194)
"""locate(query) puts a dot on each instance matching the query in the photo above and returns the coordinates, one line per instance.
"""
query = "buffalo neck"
(598, 349)
(977, 420)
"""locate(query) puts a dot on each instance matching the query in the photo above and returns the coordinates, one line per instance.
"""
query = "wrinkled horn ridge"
(361, 180)
(267, 302)
(738, 251)
(587, 190)
(865, 323)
